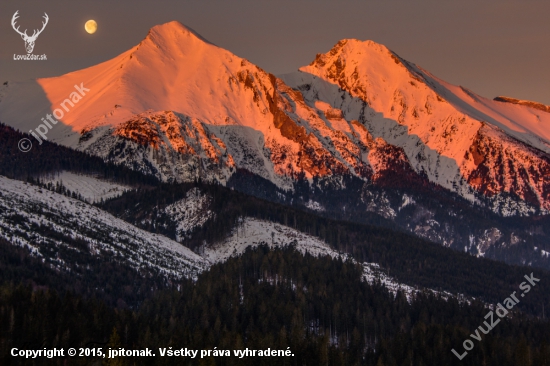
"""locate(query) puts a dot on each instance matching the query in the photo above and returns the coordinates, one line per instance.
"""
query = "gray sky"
(494, 47)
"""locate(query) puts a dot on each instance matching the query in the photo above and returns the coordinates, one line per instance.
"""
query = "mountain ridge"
(431, 120)
(178, 107)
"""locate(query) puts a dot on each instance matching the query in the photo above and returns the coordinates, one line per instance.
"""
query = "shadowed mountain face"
(179, 108)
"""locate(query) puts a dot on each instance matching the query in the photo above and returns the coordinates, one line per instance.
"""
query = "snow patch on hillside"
(89, 187)
(315, 206)
(252, 232)
(189, 213)
(407, 200)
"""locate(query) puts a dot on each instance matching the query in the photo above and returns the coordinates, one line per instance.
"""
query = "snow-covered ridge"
(252, 232)
(30, 214)
(528, 103)
(438, 125)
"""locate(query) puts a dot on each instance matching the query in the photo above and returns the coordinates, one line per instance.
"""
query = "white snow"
(407, 200)
(91, 188)
(315, 206)
(100, 230)
(189, 213)
(24, 206)
(252, 232)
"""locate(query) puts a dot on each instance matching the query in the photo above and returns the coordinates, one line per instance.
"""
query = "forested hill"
(408, 259)
(318, 307)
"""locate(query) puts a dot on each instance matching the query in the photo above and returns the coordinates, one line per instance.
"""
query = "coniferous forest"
(409, 259)
(276, 299)
(317, 307)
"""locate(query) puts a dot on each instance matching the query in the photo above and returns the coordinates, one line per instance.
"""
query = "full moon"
(90, 26)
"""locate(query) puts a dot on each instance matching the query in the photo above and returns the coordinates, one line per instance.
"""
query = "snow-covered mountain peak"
(459, 139)
(172, 31)
(349, 46)
(179, 107)
(173, 68)
(172, 40)
(354, 57)
(371, 72)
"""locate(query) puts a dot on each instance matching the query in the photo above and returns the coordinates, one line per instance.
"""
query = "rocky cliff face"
(528, 103)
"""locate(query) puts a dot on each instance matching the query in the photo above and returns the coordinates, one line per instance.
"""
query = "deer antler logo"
(29, 40)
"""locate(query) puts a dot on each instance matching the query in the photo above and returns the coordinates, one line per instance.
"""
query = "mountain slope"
(65, 233)
(58, 228)
(68, 235)
(461, 141)
(317, 309)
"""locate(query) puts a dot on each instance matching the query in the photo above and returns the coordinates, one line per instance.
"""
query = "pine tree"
(114, 343)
